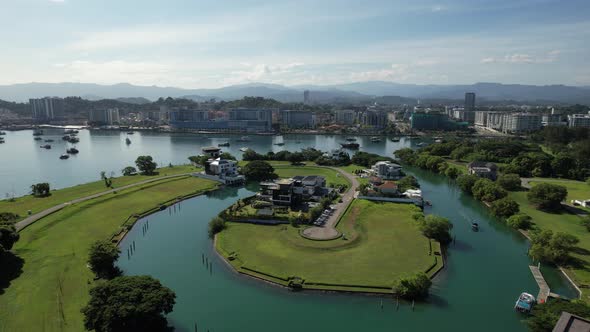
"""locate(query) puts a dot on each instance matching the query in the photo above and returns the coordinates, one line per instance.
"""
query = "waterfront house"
(483, 169)
(211, 152)
(388, 188)
(294, 191)
(387, 170)
(225, 170)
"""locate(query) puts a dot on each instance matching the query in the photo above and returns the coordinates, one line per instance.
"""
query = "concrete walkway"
(328, 231)
(31, 219)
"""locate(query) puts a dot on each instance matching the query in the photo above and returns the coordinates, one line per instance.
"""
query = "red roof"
(388, 185)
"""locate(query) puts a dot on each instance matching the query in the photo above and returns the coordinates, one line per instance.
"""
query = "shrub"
(504, 207)
(413, 288)
(438, 228)
(547, 196)
(509, 182)
(452, 172)
(553, 248)
(466, 182)
(519, 221)
(216, 225)
(545, 316)
(102, 257)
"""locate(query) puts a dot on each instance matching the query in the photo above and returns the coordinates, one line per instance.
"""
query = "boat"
(524, 303)
(244, 139)
(375, 139)
(298, 142)
(244, 149)
(395, 139)
(350, 145)
(421, 144)
(223, 144)
(438, 141)
(351, 139)
(130, 133)
(127, 141)
(46, 146)
(64, 156)
(1, 140)
(48, 140)
(280, 144)
(2, 133)
(38, 132)
(66, 137)
(37, 138)
(474, 226)
(72, 151)
(73, 139)
(71, 132)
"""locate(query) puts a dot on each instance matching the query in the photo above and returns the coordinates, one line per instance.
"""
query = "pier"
(544, 291)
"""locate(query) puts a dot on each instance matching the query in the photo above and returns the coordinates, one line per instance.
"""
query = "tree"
(102, 257)
(406, 155)
(437, 228)
(486, 190)
(41, 189)
(129, 170)
(434, 162)
(504, 207)
(553, 248)
(216, 225)
(519, 221)
(296, 158)
(413, 288)
(466, 182)
(259, 170)
(407, 182)
(146, 164)
(562, 164)
(8, 237)
(227, 156)
(129, 303)
(547, 196)
(452, 172)
(108, 182)
(198, 160)
(252, 155)
(545, 316)
(510, 182)
(461, 152)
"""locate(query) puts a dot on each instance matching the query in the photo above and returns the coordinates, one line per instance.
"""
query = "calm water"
(485, 271)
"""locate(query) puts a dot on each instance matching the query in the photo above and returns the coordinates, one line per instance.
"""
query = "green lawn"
(37, 204)
(383, 243)
(332, 177)
(575, 189)
(54, 284)
(563, 222)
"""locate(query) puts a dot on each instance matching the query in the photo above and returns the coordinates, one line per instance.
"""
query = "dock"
(544, 291)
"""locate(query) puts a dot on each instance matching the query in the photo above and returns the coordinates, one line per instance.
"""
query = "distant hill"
(341, 93)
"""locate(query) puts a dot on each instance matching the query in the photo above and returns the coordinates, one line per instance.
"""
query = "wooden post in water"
(203, 258)
(195, 326)
(133, 245)
(412, 305)
(397, 304)
(211, 268)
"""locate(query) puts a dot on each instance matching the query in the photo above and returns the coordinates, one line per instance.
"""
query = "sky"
(215, 43)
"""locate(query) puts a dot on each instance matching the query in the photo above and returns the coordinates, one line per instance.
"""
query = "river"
(485, 271)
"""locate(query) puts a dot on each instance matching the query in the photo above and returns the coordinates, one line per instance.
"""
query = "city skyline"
(210, 45)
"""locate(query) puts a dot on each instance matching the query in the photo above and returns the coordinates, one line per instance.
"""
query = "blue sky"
(197, 44)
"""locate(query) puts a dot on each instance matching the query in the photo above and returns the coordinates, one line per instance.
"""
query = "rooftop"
(211, 149)
(482, 164)
(571, 323)
(388, 185)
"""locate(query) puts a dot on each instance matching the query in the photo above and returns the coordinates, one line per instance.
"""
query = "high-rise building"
(346, 117)
(495, 120)
(464, 115)
(470, 101)
(521, 122)
(306, 97)
(481, 118)
(373, 118)
(579, 120)
(553, 120)
(48, 108)
(239, 120)
(433, 121)
(104, 116)
(298, 119)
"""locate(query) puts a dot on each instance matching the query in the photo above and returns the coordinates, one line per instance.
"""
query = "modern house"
(294, 191)
(225, 170)
(483, 169)
(211, 152)
(388, 188)
(387, 170)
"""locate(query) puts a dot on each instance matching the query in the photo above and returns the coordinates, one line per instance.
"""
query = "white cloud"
(438, 8)
(521, 58)
(57, 1)
(276, 73)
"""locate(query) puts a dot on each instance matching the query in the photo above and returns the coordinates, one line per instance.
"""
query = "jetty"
(544, 291)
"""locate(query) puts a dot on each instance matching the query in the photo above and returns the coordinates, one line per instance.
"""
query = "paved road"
(31, 219)
(328, 231)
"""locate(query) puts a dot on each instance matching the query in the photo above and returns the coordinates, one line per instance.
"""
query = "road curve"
(31, 219)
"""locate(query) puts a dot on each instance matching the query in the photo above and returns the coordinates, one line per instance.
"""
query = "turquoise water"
(485, 271)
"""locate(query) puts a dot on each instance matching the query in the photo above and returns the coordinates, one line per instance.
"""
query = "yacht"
(72, 151)
(350, 145)
(244, 149)
(38, 132)
(474, 226)
(74, 139)
(130, 133)
(48, 140)
(37, 138)
(46, 146)
(395, 139)
(351, 139)
(127, 141)
(64, 156)
(280, 144)
(2, 133)
(1, 140)
(375, 139)
(524, 303)
(223, 144)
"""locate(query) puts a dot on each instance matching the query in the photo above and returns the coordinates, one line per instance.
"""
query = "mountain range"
(345, 93)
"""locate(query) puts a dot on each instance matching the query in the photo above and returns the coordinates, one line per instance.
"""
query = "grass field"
(332, 177)
(575, 189)
(383, 243)
(23, 204)
(54, 283)
(568, 223)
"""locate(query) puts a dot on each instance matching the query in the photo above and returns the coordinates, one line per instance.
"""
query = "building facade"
(237, 120)
(470, 101)
(481, 118)
(346, 117)
(387, 170)
(298, 119)
(495, 120)
(579, 120)
(521, 123)
(374, 118)
(48, 108)
(107, 117)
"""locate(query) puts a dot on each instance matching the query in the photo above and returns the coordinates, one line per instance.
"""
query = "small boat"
(72, 151)
(474, 226)
(244, 139)
(38, 132)
(64, 156)
(127, 141)
(2, 133)
(280, 144)
(66, 137)
(244, 149)
(395, 139)
(351, 139)
(48, 141)
(375, 139)
(74, 139)
(223, 144)
(46, 146)
(130, 133)
(524, 303)
(438, 141)
(37, 138)
(1, 140)
(71, 132)
(350, 145)
(421, 144)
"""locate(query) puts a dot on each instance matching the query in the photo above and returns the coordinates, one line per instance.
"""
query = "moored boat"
(1, 140)
(48, 140)
(280, 144)
(37, 138)
(474, 226)
(72, 151)
(223, 144)
(46, 146)
(64, 156)
(130, 132)
(375, 139)
(524, 303)
(38, 132)
(350, 145)
(2, 133)
(351, 139)
(395, 139)
(244, 139)
(127, 141)
(244, 149)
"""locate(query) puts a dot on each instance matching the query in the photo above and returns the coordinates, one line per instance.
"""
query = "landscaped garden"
(381, 243)
(54, 283)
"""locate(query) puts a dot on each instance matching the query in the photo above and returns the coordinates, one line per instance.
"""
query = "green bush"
(216, 225)
(413, 288)
(504, 207)
(519, 221)
(509, 182)
(547, 196)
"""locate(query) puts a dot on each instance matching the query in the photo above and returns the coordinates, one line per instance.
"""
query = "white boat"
(64, 156)
(524, 303)
(375, 139)
(244, 149)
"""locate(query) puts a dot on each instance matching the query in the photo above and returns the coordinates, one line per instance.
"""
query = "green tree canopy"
(437, 228)
(552, 247)
(452, 172)
(128, 303)
(519, 221)
(129, 170)
(487, 191)
(545, 316)
(547, 196)
(466, 182)
(510, 182)
(504, 207)
(146, 164)
(8, 236)
(407, 182)
(259, 170)
(41, 189)
(414, 287)
(216, 225)
(102, 257)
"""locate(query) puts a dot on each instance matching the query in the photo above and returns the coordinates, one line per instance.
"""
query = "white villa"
(387, 170)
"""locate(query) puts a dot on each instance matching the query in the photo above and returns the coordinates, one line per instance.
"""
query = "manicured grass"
(55, 281)
(460, 165)
(23, 204)
(563, 222)
(575, 189)
(332, 177)
(383, 243)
